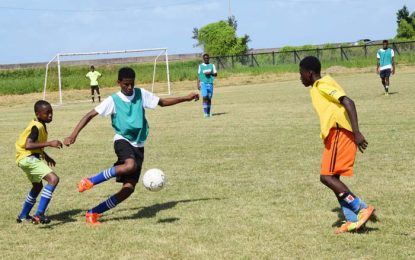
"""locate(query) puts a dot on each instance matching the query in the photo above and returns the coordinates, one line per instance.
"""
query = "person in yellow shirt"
(93, 76)
(339, 129)
(29, 154)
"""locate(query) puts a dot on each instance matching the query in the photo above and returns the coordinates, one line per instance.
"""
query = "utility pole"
(229, 9)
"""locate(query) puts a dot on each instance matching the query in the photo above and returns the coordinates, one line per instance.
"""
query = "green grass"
(243, 184)
(31, 80)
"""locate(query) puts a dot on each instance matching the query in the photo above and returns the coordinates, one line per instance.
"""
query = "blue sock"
(110, 203)
(208, 107)
(103, 176)
(205, 108)
(352, 202)
(45, 198)
(348, 213)
(363, 205)
(28, 204)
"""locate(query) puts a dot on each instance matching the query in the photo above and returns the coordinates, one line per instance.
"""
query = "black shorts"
(96, 87)
(124, 150)
(385, 73)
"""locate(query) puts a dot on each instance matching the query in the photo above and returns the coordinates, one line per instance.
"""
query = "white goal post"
(60, 56)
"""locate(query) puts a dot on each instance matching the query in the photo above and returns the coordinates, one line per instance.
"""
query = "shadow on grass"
(151, 211)
(219, 113)
(390, 93)
(63, 218)
(362, 230)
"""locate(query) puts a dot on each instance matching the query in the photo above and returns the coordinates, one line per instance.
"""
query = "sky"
(36, 30)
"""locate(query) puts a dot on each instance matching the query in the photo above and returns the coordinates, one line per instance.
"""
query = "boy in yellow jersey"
(341, 135)
(29, 152)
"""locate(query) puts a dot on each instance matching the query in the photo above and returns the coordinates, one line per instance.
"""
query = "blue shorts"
(206, 89)
(385, 73)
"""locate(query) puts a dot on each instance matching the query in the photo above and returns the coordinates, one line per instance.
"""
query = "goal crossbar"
(58, 56)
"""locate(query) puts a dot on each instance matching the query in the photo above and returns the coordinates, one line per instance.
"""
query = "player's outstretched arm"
(30, 144)
(84, 121)
(352, 113)
(164, 102)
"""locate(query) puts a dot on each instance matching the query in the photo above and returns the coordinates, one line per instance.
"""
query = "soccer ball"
(154, 180)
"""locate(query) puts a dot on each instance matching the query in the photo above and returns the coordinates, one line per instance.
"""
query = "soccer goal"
(151, 60)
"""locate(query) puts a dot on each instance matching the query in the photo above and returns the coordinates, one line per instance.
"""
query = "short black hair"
(204, 55)
(126, 73)
(311, 63)
(385, 41)
(41, 103)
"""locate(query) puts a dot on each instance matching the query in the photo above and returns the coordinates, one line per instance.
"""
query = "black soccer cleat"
(42, 219)
(20, 220)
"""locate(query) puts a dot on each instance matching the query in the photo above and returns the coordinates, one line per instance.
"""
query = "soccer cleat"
(85, 184)
(92, 218)
(364, 215)
(346, 227)
(386, 94)
(27, 218)
(42, 219)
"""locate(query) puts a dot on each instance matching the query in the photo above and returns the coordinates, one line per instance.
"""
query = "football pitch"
(243, 184)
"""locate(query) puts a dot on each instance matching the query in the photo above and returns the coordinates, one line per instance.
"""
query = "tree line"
(220, 39)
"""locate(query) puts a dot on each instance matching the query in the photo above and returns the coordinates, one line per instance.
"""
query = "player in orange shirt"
(340, 132)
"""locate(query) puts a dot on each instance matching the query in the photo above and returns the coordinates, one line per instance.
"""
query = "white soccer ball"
(154, 180)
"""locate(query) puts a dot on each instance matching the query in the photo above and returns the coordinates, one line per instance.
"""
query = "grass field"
(243, 184)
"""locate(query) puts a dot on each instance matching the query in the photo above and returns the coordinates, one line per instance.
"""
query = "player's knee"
(52, 179)
(324, 179)
(129, 167)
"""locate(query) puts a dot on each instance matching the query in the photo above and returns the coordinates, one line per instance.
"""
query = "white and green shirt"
(385, 58)
(128, 116)
(203, 68)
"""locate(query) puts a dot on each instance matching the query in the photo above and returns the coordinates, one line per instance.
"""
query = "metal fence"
(340, 53)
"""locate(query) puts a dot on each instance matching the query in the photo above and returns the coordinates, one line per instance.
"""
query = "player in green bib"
(385, 65)
(206, 75)
(127, 110)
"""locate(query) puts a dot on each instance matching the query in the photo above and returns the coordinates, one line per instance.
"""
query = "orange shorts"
(339, 153)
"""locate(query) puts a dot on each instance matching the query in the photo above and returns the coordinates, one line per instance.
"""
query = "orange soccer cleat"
(364, 215)
(346, 227)
(85, 184)
(92, 218)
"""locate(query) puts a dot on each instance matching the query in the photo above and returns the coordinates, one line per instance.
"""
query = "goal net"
(68, 70)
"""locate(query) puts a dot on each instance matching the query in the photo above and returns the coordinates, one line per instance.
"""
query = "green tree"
(406, 24)
(406, 30)
(403, 14)
(219, 38)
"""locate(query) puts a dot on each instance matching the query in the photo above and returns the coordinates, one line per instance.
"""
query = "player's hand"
(50, 161)
(377, 70)
(56, 144)
(69, 140)
(361, 142)
(193, 96)
(393, 72)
